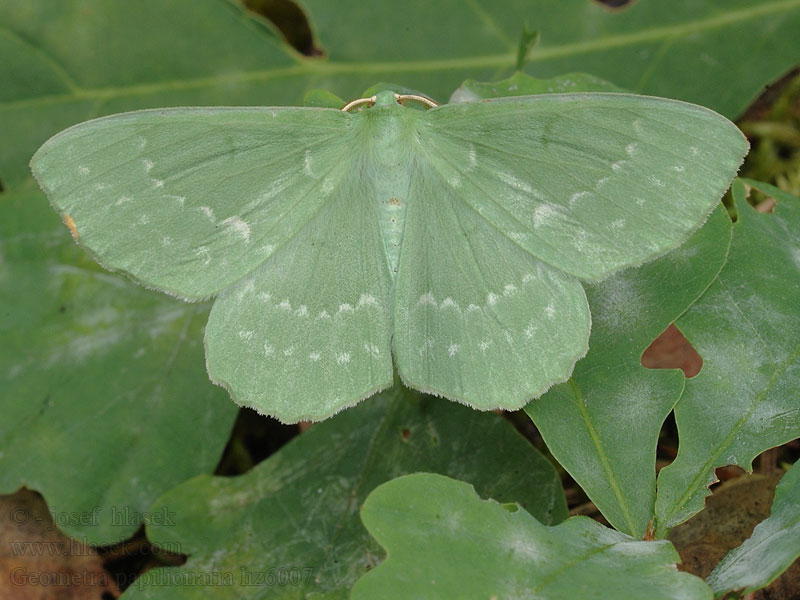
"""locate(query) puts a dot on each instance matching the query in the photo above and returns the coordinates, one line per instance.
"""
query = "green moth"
(450, 242)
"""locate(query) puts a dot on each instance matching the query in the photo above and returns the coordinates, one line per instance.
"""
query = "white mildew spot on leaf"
(636, 548)
(285, 305)
(345, 308)
(454, 181)
(166, 241)
(530, 330)
(527, 278)
(144, 220)
(83, 170)
(105, 315)
(237, 225)
(246, 335)
(655, 181)
(473, 308)
(148, 165)
(265, 297)
(618, 224)
(685, 253)
(288, 351)
(101, 186)
(637, 127)
(208, 212)
(509, 289)
(266, 249)
(269, 349)
(578, 196)
(509, 337)
(630, 149)
(550, 311)
(491, 298)
(678, 168)
(639, 201)
(472, 157)
(796, 257)
(372, 349)
(157, 183)
(515, 183)
(307, 165)
(771, 413)
(366, 300)
(618, 165)
(453, 521)
(484, 345)
(452, 350)
(427, 298)
(343, 358)
(524, 549)
(302, 311)
(323, 314)
(122, 200)
(82, 347)
(314, 356)
(545, 213)
(600, 182)
(163, 323)
(619, 303)
(694, 150)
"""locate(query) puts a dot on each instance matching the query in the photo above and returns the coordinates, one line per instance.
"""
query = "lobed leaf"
(296, 514)
(86, 59)
(443, 541)
(771, 549)
(746, 327)
(604, 423)
(684, 50)
(105, 401)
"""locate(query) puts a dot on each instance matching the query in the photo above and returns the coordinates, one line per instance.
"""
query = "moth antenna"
(358, 102)
(427, 102)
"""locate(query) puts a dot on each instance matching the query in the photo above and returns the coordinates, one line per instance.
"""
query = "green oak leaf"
(770, 550)
(603, 424)
(747, 329)
(73, 61)
(105, 402)
(453, 239)
(444, 542)
(79, 60)
(685, 50)
(295, 515)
